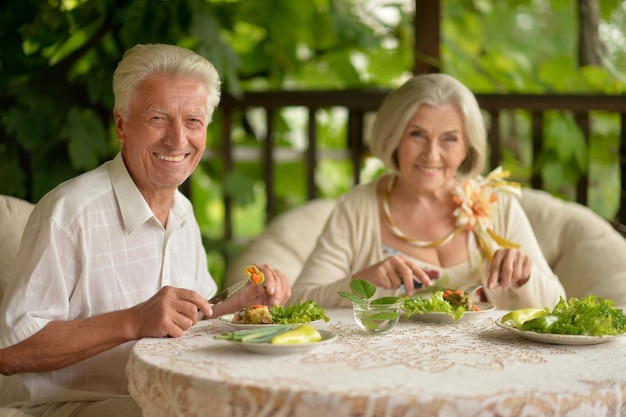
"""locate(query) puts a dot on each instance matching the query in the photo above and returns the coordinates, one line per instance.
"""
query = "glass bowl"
(376, 318)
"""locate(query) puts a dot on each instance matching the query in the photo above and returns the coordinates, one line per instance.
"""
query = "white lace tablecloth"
(472, 368)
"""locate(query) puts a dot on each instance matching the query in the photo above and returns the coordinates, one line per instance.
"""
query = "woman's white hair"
(433, 90)
(144, 61)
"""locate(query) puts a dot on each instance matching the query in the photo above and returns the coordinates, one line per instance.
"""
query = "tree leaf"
(87, 138)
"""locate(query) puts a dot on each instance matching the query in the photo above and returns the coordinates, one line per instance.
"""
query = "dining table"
(421, 367)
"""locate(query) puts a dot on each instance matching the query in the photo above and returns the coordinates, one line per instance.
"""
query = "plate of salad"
(281, 339)
(587, 321)
(447, 306)
(301, 313)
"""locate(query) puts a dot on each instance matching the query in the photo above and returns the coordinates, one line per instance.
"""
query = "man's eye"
(195, 123)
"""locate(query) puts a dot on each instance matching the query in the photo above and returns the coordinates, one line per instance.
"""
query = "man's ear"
(119, 126)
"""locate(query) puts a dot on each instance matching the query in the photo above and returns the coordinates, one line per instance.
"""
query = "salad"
(589, 316)
(303, 312)
(454, 303)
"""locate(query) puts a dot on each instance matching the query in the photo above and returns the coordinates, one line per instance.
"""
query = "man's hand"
(169, 312)
(275, 290)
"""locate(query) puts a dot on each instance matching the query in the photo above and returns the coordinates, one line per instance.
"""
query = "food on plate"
(541, 324)
(256, 335)
(303, 312)
(589, 316)
(301, 334)
(453, 303)
(256, 314)
(255, 275)
(460, 298)
(283, 334)
(517, 317)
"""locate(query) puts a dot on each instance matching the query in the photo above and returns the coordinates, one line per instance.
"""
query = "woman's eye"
(416, 134)
(450, 139)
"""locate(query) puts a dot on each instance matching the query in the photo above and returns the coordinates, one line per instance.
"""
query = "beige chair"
(14, 213)
(286, 242)
(582, 248)
(13, 216)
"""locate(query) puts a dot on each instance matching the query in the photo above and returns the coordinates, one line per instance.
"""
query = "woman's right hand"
(394, 271)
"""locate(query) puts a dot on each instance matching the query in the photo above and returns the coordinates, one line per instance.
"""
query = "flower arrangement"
(477, 199)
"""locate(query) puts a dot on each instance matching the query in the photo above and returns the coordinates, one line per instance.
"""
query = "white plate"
(270, 349)
(438, 317)
(559, 339)
(228, 319)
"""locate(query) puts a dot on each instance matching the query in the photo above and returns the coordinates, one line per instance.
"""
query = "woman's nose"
(431, 151)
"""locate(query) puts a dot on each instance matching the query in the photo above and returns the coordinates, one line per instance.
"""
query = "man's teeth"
(177, 158)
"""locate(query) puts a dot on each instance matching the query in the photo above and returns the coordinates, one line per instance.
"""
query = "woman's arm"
(543, 288)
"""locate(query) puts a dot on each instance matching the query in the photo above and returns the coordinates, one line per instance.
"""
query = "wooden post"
(426, 24)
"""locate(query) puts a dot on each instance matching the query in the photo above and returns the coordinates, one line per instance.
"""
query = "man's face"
(164, 136)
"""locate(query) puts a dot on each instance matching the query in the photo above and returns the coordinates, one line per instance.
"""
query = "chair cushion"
(583, 249)
(286, 242)
(13, 216)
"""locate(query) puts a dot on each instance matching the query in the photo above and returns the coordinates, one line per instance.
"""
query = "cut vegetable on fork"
(255, 275)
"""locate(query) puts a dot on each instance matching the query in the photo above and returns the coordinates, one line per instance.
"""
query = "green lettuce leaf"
(434, 304)
(589, 316)
(304, 312)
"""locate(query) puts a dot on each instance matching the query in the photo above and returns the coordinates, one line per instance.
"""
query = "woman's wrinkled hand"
(394, 271)
(509, 267)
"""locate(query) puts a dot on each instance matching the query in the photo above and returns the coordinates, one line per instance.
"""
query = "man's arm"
(63, 343)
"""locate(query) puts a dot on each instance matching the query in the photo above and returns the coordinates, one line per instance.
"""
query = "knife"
(228, 292)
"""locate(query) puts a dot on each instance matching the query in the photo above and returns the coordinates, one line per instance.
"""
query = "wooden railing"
(360, 102)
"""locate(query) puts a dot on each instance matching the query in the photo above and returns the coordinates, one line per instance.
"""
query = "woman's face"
(432, 147)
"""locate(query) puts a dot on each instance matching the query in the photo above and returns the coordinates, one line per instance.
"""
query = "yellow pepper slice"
(302, 334)
(254, 275)
(517, 317)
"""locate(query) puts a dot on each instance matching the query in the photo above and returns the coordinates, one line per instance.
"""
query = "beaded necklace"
(477, 203)
(398, 233)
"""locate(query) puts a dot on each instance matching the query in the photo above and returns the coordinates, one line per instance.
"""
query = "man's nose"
(176, 135)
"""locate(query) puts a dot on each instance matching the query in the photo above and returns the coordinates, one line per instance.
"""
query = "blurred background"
(57, 58)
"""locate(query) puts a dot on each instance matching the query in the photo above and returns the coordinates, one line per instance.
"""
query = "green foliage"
(57, 59)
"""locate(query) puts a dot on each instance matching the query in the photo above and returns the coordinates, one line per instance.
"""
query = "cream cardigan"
(351, 241)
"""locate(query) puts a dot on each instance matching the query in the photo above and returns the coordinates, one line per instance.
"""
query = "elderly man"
(115, 254)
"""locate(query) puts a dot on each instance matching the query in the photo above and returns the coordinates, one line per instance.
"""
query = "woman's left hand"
(509, 267)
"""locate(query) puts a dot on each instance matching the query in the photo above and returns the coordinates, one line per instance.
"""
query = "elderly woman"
(432, 219)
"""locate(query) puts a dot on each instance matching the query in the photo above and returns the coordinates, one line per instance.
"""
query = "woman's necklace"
(398, 233)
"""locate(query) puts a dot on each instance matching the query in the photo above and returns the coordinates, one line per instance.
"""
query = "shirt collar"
(133, 206)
